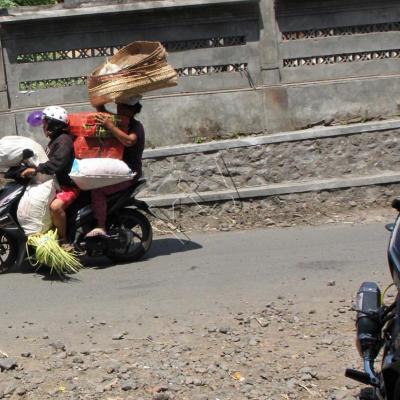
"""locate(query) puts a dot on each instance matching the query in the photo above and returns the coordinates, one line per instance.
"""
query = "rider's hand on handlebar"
(28, 173)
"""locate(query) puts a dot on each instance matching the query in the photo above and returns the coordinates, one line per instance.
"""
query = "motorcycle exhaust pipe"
(368, 323)
(369, 326)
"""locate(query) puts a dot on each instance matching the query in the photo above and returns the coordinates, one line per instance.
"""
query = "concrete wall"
(246, 66)
(339, 60)
(215, 46)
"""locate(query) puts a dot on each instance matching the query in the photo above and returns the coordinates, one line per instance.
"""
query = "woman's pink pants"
(99, 201)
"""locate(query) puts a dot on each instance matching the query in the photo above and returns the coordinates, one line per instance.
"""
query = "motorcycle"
(129, 231)
(378, 329)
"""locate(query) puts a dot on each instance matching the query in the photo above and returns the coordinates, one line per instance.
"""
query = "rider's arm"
(59, 159)
(127, 139)
(28, 172)
(17, 173)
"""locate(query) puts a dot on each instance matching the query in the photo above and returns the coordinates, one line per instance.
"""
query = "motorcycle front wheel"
(397, 390)
(8, 251)
(140, 231)
(368, 394)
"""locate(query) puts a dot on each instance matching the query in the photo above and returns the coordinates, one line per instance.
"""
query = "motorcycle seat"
(84, 198)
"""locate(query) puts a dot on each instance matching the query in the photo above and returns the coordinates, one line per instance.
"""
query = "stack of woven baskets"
(137, 68)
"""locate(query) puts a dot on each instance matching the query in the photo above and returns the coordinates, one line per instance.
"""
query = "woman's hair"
(137, 108)
(56, 127)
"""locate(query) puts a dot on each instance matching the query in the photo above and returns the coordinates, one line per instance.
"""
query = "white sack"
(109, 68)
(94, 173)
(34, 208)
(11, 148)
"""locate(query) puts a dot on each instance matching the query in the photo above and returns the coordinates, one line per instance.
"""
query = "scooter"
(129, 230)
(378, 329)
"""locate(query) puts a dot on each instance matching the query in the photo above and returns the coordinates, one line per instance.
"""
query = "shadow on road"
(160, 247)
(167, 246)
(43, 271)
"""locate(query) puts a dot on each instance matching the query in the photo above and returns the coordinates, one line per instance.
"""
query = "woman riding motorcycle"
(60, 151)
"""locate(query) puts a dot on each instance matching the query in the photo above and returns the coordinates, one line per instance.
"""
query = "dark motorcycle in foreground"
(378, 330)
(129, 230)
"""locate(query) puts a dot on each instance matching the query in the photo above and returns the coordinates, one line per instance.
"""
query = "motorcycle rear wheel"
(142, 232)
(8, 251)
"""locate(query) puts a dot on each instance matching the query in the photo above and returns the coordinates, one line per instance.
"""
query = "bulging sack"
(11, 148)
(94, 173)
(34, 208)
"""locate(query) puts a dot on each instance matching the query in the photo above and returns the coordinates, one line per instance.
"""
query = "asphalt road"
(200, 281)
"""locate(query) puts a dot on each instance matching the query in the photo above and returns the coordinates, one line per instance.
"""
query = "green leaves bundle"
(49, 252)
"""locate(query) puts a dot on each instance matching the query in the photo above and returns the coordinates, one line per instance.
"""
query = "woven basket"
(143, 68)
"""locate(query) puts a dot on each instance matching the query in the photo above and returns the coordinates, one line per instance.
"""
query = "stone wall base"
(353, 205)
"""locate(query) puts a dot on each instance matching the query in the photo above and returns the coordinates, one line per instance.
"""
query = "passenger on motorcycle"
(60, 151)
(133, 140)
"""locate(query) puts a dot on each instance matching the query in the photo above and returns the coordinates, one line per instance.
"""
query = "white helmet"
(56, 113)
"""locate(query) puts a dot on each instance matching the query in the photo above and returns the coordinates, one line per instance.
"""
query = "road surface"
(193, 287)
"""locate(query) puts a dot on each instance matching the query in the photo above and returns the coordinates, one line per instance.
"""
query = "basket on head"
(139, 67)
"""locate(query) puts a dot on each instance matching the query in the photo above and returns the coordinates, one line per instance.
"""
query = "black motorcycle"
(129, 230)
(378, 329)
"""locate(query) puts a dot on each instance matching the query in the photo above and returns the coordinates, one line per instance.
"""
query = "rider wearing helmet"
(60, 151)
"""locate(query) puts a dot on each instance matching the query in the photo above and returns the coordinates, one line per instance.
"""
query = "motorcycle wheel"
(367, 394)
(397, 390)
(8, 251)
(142, 238)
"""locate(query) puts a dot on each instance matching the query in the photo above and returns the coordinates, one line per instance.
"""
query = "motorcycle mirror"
(396, 204)
(389, 227)
(27, 153)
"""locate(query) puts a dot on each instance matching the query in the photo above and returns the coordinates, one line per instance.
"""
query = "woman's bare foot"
(67, 247)
(97, 232)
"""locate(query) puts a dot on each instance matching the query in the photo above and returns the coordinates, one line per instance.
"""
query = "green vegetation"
(49, 252)
(7, 3)
(19, 3)
(200, 139)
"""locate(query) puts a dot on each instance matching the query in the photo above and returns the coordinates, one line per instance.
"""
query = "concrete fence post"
(4, 103)
(277, 116)
(269, 53)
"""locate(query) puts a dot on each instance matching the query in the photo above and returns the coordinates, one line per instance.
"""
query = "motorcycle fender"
(140, 205)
